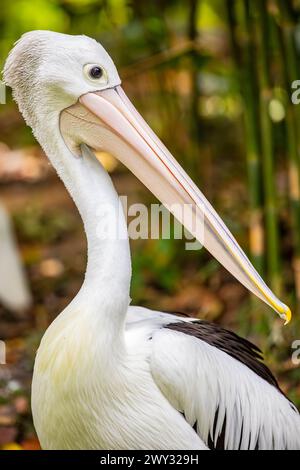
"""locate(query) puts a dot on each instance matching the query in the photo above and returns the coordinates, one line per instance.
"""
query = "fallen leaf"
(11, 446)
(51, 268)
(31, 444)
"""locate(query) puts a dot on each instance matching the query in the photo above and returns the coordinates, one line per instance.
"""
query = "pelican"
(109, 375)
(14, 289)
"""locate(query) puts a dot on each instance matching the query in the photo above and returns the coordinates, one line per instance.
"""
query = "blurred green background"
(214, 79)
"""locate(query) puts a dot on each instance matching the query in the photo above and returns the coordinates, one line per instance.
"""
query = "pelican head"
(72, 81)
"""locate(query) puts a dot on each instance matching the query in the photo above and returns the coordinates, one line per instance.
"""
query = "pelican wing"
(219, 383)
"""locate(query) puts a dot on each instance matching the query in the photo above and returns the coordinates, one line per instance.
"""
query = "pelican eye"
(95, 73)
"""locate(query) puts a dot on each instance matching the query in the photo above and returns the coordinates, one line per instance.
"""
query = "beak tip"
(287, 315)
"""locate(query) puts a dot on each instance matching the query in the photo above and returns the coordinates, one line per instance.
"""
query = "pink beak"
(116, 126)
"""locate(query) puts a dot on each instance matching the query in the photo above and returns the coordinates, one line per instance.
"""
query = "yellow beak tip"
(287, 315)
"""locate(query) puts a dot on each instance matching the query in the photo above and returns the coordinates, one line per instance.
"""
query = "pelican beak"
(116, 126)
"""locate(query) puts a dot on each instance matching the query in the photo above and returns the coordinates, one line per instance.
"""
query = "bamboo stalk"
(253, 154)
(243, 56)
(289, 59)
(287, 28)
(158, 59)
(195, 126)
(265, 95)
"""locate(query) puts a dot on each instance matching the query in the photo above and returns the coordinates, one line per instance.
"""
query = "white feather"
(14, 290)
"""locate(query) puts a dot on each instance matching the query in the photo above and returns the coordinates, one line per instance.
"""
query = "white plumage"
(108, 375)
(14, 290)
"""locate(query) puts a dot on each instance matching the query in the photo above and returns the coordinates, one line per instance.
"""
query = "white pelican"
(109, 375)
(14, 290)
